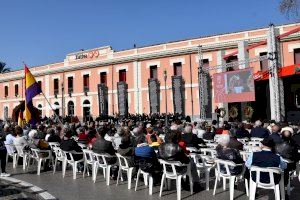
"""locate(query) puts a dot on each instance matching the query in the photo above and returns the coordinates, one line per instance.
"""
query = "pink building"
(80, 73)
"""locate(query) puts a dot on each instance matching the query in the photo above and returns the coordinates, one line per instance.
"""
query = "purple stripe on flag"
(32, 91)
(30, 107)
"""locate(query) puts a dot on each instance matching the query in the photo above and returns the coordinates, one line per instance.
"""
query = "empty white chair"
(88, 156)
(174, 175)
(41, 156)
(123, 166)
(203, 163)
(226, 175)
(278, 188)
(146, 176)
(21, 153)
(70, 160)
(59, 156)
(101, 162)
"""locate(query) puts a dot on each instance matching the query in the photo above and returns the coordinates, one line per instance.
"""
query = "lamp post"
(166, 96)
(63, 99)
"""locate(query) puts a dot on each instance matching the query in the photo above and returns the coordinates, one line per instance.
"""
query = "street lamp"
(166, 100)
(63, 99)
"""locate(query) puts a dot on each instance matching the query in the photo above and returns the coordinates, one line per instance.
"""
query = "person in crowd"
(127, 150)
(226, 129)
(9, 140)
(276, 135)
(266, 158)
(150, 132)
(20, 139)
(288, 150)
(209, 134)
(258, 131)
(154, 143)
(170, 150)
(190, 139)
(234, 143)
(3, 153)
(82, 136)
(241, 132)
(69, 144)
(100, 145)
(200, 130)
(224, 152)
(296, 138)
(146, 158)
(52, 136)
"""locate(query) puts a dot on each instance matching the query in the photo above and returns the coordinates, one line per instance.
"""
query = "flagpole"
(52, 108)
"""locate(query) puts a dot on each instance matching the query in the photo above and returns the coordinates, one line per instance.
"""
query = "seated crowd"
(142, 143)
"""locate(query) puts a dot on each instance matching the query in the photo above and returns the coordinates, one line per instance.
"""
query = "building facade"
(77, 76)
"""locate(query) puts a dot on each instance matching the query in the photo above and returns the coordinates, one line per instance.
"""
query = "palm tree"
(3, 69)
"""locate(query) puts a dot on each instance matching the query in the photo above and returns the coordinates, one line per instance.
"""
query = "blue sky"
(44, 31)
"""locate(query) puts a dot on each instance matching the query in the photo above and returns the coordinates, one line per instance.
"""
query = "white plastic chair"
(212, 145)
(208, 152)
(250, 148)
(88, 156)
(21, 153)
(278, 188)
(243, 140)
(206, 165)
(101, 162)
(257, 139)
(208, 141)
(37, 155)
(288, 187)
(192, 149)
(147, 177)
(254, 143)
(59, 156)
(245, 155)
(83, 146)
(227, 175)
(71, 161)
(12, 155)
(123, 166)
(174, 175)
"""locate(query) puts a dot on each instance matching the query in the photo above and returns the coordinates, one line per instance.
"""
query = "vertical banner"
(122, 99)
(103, 99)
(178, 94)
(154, 95)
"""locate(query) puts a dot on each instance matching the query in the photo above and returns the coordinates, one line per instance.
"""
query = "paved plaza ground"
(84, 188)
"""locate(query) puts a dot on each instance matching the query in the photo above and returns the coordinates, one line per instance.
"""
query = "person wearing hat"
(266, 158)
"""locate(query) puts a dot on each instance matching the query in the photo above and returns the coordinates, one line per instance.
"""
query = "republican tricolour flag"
(32, 88)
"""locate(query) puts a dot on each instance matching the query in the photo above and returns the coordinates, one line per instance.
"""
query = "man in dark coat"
(259, 131)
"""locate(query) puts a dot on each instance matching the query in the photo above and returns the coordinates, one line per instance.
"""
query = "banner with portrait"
(234, 86)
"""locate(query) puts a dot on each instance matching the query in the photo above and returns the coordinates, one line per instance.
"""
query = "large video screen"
(234, 86)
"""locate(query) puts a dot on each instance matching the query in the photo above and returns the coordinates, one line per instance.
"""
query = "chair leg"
(145, 176)
(95, 171)
(191, 183)
(129, 177)
(24, 163)
(247, 187)
(137, 179)
(207, 179)
(224, 183)
(289, 187)
(84, 169)
(162, 184)
(104, 174)
(39, 167)
(74, 165)
(119, 174)
(231, 187)
(277, 192)
(14, 161)
(252, 190)
(178, 187)
(150, 184)
(64, 166)
(54, 167)
(281, 188)
(216, 182)
(107, 174)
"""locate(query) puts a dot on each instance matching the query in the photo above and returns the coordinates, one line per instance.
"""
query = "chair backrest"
(88, 155)
(202, 160)
(256, 139)
(10, 148)
(192, 149)
(53, 144)
(250, 148)
(122, 161)
(226, 164)
(170, 165)
(101, 158)
(68, 155)
(58, 153)
(270, 170)
(243, 140)
(208, 151)
(245, 154)
(208, 141)
(83, 146)
(212, 145)
(20, 150)
(255, 143)
(35, 153)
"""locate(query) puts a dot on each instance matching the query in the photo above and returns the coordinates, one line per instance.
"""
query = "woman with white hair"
(224, 152)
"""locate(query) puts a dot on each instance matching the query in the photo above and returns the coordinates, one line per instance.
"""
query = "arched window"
(86, 110)
(56, 108)
(71, 108)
